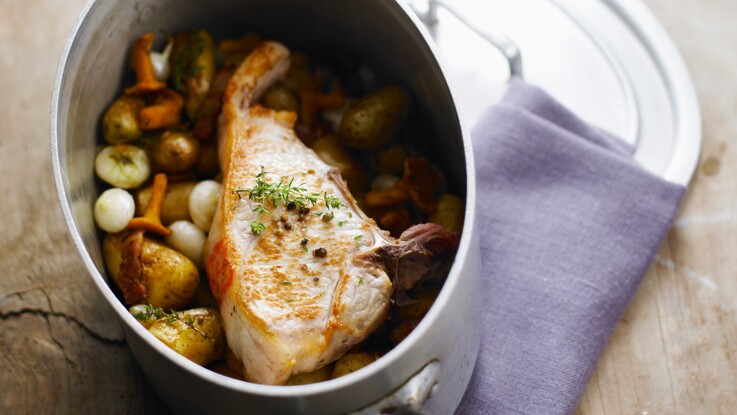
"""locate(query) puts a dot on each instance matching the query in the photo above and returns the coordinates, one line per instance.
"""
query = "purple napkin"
(569, 224)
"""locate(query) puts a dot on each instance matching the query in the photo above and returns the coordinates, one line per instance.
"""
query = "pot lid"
(609, 61)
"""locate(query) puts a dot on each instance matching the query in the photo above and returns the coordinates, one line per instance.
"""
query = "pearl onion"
(123, 165)
(114, 209)
(203, 201)
(188, 239)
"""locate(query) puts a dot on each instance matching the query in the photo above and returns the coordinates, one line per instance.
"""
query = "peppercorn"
(320, 252)
(327, 217)
(303, 210)
(304, 241)
(288, 226)
(283, 219)
(291, 206)
(316, 279)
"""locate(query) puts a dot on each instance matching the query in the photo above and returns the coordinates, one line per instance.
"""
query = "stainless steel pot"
(429, 371)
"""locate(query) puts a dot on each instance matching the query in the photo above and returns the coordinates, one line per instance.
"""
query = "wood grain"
(674, 352)
(63, 351)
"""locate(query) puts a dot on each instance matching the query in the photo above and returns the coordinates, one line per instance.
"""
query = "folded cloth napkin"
(569, 224)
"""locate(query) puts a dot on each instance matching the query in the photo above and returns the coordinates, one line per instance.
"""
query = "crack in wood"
(46, 314)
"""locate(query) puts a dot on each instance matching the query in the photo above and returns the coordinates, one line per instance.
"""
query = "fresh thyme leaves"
(304, 248)
(257, 227)
(185, 60)
(332, 202)
(286, 283)
(156, 313)
(270, 194)
(343, 222)
(357, 238)
(360, 280)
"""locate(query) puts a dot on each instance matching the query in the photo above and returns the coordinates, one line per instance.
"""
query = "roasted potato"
(449, 213)
(319, 375)
(419, 308)
(410, 315)
(391, 159)
(207, 165)
(120, 124)
(176, 202)
(175, 152)
(374, 120)
(281, 98)
(194, 67)
(332, 152)
(170, 278)
(196, 334)
(353, 361)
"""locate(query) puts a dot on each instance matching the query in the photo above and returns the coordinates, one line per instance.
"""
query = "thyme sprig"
(156, 313)
(270, 195)
(185, 61)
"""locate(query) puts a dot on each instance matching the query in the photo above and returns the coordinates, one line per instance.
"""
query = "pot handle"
(409, 398)
(496, 38)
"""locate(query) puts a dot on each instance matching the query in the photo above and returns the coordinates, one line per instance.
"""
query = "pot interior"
(378, 34)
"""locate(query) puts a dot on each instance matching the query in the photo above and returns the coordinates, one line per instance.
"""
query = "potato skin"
(176, 201)
(373, 120)
(320, 375)
(120, 124)
(197, 86)
(449, 213)
(281, 98)
(332, 152)
(175, 152)
(170, 278)
(188, 342)
(353, 361)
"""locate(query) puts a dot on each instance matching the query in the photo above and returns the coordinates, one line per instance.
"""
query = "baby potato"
(194, 53)
(418, 309)
(120, 124)
(203, 345)
(391, 159)
(176, 201)
(207, 165)
(175, 152)
(373, 120)
(353, 361)
(449, 213)
(332, 152)
(170, 278)
(281, 98)
(320, 375)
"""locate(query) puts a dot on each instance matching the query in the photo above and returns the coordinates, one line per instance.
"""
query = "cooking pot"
(426, 373)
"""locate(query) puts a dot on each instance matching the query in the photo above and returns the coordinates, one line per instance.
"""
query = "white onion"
(114, 209)
(188, 239)
(203, 201)
(160, 62)
(123, 166)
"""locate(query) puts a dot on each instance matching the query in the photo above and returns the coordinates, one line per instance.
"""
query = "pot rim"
(383, 363)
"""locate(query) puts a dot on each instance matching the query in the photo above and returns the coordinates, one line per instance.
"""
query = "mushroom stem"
(146, 81)
(151, 219)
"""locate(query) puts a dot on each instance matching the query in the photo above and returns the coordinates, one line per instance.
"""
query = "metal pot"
(428, 371)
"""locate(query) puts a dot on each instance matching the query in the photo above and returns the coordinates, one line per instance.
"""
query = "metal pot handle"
(496, 38)
(409, 398)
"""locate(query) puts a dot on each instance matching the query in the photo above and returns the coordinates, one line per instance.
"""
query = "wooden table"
(674, 352)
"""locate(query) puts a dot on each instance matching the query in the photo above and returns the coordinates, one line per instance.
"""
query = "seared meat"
(297, 295)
